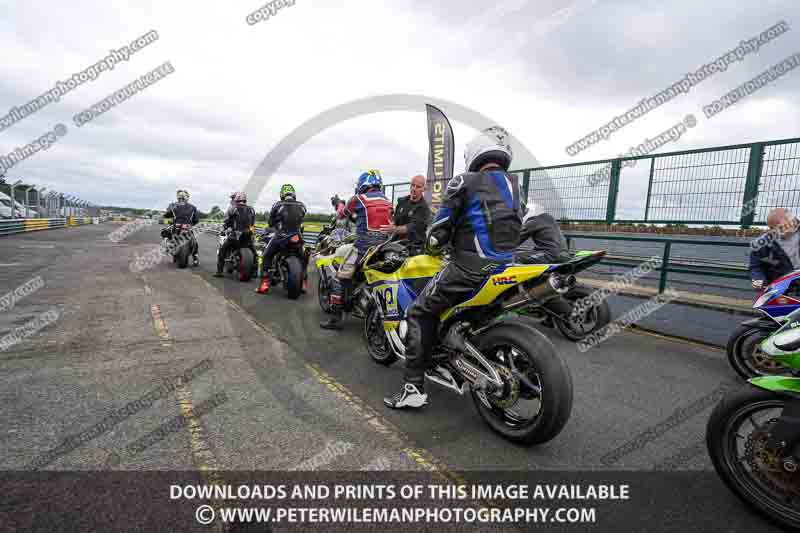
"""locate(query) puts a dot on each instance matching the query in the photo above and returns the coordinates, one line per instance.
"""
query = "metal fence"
(734, 185)
(725, 185)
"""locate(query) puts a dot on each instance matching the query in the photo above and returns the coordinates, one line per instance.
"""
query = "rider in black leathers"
(239, 217)
(549, 244)
(285, 217)
(182, 212)
(480, 218)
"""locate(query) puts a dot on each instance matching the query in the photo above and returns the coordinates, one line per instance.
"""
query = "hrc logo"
(504, 280)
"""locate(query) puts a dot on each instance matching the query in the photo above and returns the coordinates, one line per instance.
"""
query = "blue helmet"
(367, 180)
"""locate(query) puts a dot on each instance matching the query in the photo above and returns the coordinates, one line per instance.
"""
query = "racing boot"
(195, 260)
(263, 288)
(335, 320)
(412, 396)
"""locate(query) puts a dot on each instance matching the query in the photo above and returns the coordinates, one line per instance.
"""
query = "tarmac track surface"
(300, 397)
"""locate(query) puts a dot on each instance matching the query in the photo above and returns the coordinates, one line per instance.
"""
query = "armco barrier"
(79, 221)
(23, 225)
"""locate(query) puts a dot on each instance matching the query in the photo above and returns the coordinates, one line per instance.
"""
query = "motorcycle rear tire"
(294, 281)
(245, 264)
(553, 374)
(183, 256)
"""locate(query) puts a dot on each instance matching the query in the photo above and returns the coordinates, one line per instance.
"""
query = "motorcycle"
(331, 240)
(179, 241)
(519, 385)
(575, 322)
(776, 302)
(289, 264)
(239, 257)
(753, 435)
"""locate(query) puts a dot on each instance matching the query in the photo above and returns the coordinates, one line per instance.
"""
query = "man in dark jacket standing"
(412, 216)
(777, 252)
(481, 218)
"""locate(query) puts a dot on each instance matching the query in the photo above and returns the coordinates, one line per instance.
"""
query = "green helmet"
(287, 190)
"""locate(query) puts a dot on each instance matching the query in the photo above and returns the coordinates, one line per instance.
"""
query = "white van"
(5, 206)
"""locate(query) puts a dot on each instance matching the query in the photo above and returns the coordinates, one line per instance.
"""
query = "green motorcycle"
(753, 435)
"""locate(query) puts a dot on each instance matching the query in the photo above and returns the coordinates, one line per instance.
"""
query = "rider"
(286, 217)
(341, 224)
(371, 211)
(239, 217)
(480, 218)
(182, 212)
(549, 244)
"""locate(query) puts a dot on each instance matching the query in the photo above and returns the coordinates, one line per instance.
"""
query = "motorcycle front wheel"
(745, 356)
(323, 294)
(736, 435)
(536, 400)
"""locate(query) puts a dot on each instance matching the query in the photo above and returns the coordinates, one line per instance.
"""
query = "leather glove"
(758, 283)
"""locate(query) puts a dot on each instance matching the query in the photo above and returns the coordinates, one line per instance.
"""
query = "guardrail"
(11, 226)
(679, 267)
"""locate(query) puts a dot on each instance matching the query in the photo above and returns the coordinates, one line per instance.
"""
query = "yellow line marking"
(160, 325)
(202, 457)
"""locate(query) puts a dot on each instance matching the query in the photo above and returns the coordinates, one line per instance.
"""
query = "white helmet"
(489, 146)
(182, 195)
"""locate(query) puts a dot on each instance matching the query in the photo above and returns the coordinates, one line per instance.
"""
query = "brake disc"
(767, 465)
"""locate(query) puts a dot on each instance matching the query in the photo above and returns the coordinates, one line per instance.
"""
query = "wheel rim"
(756, 470)
(584, 323)
(517, 405)
(754, 359)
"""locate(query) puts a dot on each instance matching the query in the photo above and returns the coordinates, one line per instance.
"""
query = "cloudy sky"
(549, 71)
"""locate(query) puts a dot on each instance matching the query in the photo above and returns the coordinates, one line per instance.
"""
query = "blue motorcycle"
(776, 302)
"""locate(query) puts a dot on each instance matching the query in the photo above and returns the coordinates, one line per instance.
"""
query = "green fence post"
(649, 189)
(662, 282)
(751, 184)
(526, 182)
(613, 190)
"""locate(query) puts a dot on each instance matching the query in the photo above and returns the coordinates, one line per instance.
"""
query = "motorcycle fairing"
(418, 266)
(787, 384)
(773, 300)
(503, 278)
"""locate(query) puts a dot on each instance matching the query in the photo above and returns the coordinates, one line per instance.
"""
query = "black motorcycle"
(180, 242)
(240, 257)
(289, 264)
